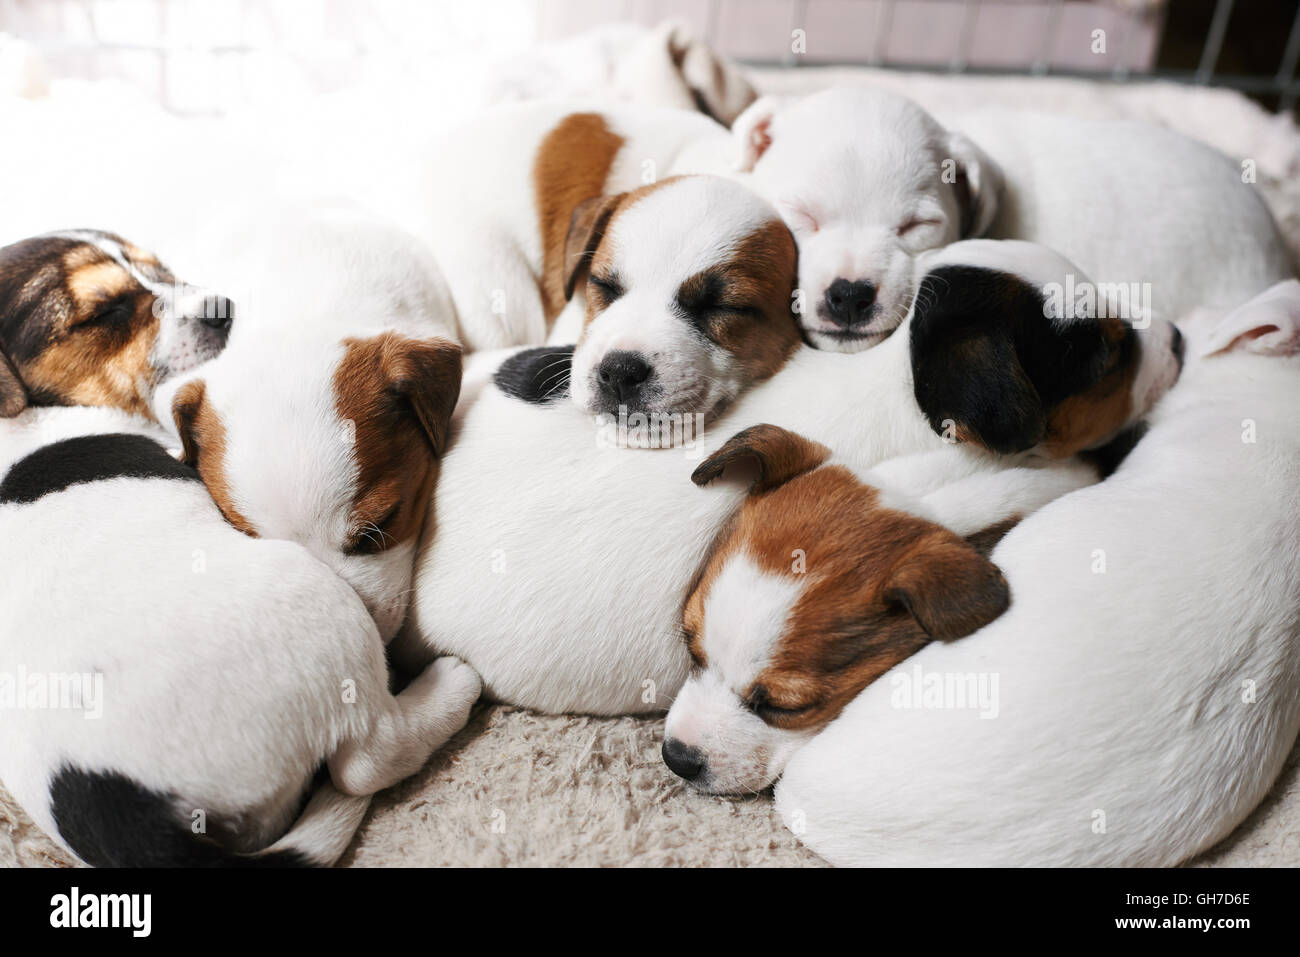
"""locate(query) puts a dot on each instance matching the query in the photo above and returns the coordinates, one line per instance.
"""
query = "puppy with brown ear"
(331, 443)
(87, 318)
(815, 588)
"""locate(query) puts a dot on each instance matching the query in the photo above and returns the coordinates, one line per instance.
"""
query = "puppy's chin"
(739, 782)
(662, 426)
(839, 340)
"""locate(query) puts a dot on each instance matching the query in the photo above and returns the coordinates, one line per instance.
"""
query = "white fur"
(1128, 202)
(654, 246)
(468, 195)
(225, 659)
(1145, 710)
(597, 534)
(313, 279)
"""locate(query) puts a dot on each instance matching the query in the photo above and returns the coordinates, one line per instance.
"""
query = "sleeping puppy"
(888, 182)
(1149, 665)
(173, 686)
(635, 532)
(87, 318)
(324, 421)
(333, 443)
(688, 302)
(818, 585)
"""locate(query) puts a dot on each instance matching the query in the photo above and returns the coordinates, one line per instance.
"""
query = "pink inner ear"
(1257, 332)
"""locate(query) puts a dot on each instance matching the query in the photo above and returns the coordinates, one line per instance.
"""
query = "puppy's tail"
(320, 835)
(110, 820)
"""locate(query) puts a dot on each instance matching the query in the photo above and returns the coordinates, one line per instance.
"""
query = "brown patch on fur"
(99, 366)
(399, 394)
(776, 454)
(78, 329)
(879, 584)
(95, 282)
(1086, 419)
(987, 539)
(203, 446)
(762, 272)
(597, 253)
(572, 165)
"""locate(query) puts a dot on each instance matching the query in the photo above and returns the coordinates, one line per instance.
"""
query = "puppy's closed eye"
(114, 312)
(605, 289)
(914, 226)
(373, 537)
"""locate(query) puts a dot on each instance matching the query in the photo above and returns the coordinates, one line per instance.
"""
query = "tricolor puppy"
(814, 588)
(87, 318)
(170, 686)
(867, 180)
(689, 286)
(989, 368)
(635, 532)
(1149, 664)
(333, 443)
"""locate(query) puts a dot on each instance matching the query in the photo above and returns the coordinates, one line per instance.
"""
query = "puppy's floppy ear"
(966, 370)
(186, 404)
(775, 454)
(949, 588)
(586, 229)
(1269, 324)
(752, 129)
(13, 394)
(978, 185)
(426, 373)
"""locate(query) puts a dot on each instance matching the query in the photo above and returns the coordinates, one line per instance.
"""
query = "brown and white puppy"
(688, 294)
(814, 589)
(333, 443)
(87, 318)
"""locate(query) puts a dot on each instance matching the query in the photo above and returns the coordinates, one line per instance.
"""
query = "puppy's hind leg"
(407, 728)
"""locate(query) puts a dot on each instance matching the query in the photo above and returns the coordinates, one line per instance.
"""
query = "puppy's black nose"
(621, 375)
(684, 761)
(849, 302)
(218, 313)
(1178, 345)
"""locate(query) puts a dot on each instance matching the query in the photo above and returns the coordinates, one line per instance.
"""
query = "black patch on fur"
(538, 375)
(89, 458)
(986, 358)
(109, 820)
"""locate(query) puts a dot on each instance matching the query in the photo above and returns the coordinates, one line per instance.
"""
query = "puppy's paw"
(454, 680)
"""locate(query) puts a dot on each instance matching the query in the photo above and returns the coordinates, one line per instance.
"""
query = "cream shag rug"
(516, 788)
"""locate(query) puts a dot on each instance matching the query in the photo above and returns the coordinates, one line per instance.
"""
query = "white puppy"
(866, 180)
(170, 687)
(1147, 673)
(600, 534)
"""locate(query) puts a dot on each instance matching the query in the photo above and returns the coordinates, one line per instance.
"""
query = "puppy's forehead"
(682, 227)
(745, 614)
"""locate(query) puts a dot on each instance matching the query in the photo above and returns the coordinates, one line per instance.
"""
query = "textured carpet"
(520, 789)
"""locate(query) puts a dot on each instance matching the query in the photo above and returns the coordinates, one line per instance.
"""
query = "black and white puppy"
(171, 687)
